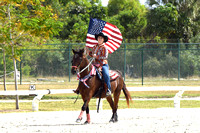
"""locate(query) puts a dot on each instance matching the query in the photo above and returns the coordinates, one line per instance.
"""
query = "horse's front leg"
(80, 117)
(84, 107)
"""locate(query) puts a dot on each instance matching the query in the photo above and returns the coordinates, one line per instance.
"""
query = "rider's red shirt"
(101, 54)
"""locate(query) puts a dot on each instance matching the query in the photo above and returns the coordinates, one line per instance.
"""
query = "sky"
(105, 2)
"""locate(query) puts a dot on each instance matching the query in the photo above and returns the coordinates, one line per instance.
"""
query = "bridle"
(78, 67)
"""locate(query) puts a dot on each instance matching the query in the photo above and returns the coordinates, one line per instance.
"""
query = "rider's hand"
(94, 55)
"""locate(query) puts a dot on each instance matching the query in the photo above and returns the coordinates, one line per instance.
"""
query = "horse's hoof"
(115, 121)
(111, 121)
(78, 120)
(86, 122)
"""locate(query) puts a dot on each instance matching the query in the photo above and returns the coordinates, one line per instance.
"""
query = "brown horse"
(82, 64)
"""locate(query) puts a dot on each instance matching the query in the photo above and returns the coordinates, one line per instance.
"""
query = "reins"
(87, 66)
(78, 67)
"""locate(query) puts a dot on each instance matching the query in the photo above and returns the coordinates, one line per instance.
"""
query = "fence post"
(142, 74)
(69, 61)
(178, 60)
(124, 61)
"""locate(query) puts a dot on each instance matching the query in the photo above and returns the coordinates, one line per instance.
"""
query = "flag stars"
(97, 26)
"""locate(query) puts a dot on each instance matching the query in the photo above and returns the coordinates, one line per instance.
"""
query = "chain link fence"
(135, 61)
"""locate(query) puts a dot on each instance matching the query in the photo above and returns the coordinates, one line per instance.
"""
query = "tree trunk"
(14, 62)
(4, 72)
(15, 77)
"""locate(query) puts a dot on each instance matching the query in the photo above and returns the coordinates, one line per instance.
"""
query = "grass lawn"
(68, 105)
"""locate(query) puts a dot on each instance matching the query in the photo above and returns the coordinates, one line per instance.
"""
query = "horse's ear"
(73, 51)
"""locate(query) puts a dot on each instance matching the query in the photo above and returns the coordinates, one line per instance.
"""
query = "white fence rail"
(165, 88)
(35, 92)
(40, 93)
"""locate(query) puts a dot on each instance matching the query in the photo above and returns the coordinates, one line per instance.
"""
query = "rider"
(100, 53)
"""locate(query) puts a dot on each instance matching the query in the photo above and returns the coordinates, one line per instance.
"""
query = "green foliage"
(45, 63)
(9, 63)
(188, 17)
(190, 63)
(195, 39)
(22, 20)
(115, 6)
(172, 20)
(152, 67)
(130, 17)
(168, 66)
(168, 21)
(76, 17)
(136, 23)
(26, 70)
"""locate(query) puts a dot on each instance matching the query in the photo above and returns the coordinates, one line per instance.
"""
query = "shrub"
(26, 70)
(169, 66)
(152, 67)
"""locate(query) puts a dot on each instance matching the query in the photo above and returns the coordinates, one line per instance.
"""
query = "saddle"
(113, 74)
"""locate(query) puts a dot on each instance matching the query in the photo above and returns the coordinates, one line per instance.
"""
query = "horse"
(81, 63)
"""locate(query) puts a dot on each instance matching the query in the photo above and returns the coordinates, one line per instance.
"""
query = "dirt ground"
(161, 120)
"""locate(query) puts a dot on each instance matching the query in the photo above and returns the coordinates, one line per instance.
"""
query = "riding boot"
(76, 91)
(108, 92)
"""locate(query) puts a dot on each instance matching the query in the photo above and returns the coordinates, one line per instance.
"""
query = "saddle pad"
(113, 74)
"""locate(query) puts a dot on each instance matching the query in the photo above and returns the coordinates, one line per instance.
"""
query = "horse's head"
(77, 59)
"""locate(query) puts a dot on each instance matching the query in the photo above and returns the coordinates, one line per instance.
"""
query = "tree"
(76, 16)
(3, 49)
(188, 19)
(115, 6)
(22, 20)
(132, 17)
(163, 21)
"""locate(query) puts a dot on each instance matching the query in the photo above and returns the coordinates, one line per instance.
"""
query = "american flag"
(97, 26)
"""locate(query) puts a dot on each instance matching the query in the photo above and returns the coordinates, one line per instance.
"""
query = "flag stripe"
(109, 49)
(116, 45)
(115, 30)
(91, 40)
(111, 46)
(112, 35)
(91, 43)
(116, 36)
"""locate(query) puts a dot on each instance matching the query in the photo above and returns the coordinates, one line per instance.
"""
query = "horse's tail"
(127, 94)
